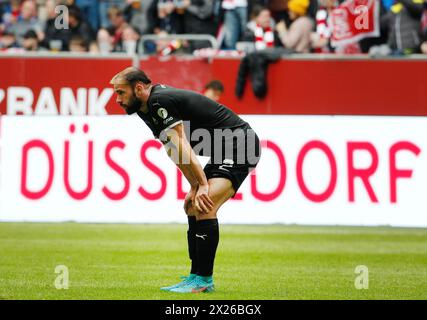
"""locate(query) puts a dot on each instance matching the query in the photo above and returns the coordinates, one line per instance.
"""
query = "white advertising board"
(319, 170)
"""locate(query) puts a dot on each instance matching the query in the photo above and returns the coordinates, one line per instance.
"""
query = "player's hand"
(203, 202)
(189, 198)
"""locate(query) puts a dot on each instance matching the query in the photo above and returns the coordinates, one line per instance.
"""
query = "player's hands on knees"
(190, 198)
(202, 201)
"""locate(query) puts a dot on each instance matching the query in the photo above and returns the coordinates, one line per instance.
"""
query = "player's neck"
(144, 106)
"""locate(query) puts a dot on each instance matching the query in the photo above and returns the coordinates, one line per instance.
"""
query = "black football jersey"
(168, 106)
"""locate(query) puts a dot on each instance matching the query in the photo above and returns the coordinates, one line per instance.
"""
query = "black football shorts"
(233, 170)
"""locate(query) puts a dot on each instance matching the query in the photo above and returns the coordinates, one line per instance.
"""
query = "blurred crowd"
(104, 26)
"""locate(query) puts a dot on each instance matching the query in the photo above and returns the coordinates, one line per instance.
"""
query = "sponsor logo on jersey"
(168, 120)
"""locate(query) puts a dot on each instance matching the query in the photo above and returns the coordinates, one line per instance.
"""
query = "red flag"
(354, 20)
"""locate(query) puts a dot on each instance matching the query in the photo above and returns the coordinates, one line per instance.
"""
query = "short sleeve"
(165, 112)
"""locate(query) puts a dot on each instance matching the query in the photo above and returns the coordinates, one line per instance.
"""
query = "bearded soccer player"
(190, 124)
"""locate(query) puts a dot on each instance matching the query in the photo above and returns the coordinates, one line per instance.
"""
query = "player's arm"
(172, 152)
(180, 151)
(191, 195)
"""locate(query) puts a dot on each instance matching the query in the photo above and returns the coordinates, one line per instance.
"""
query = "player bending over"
(190, 124)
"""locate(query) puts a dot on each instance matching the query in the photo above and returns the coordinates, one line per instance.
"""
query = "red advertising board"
(332, 86)
(58, 85)
(296, 85)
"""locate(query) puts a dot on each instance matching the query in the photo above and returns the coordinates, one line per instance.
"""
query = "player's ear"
(138, 89)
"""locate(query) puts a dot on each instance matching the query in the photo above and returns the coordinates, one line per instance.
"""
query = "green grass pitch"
(122, 261)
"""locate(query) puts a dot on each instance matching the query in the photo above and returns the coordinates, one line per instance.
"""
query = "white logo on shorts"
(227, 163)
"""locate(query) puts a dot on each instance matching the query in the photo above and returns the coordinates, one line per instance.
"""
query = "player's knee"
(190, 210)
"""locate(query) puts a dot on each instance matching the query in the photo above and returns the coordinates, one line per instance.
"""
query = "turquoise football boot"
(185, 281)
(198, 285)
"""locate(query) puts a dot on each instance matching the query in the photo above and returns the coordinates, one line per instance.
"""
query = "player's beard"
(134, 105)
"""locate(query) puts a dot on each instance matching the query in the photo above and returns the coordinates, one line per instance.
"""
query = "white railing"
(188, 37)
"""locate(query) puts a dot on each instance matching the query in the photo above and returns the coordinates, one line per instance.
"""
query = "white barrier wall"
(314, 170)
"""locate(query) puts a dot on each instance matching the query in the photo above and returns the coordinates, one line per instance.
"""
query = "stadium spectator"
(424, 28)
(31, 42)
(168, 16)
(183, 16)
(298, 36)
(90, 12)
(321, 39)
(313, 7)
(49, 13)
(138, 15)
(51, 34)
(165, 47)
(27, 20)
(1, 16)
(59, 39)
(235, 20)
(198, 19)
(218, 16)
(387, 4)
(10, 11)
(110, 39)
(377, 46)
(403, 23)
(130, 40)
(260, 30)
(402, 27)
(79, 26)
(279, 9)
(78, 44)
(8, 42)
(214, 89)
(424, 18)
(104, 7)
(104, 41)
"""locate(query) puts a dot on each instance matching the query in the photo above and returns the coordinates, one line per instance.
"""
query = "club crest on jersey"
(163, 113)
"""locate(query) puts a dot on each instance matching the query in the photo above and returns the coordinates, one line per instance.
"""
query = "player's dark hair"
(215, 85)
(135, 76)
